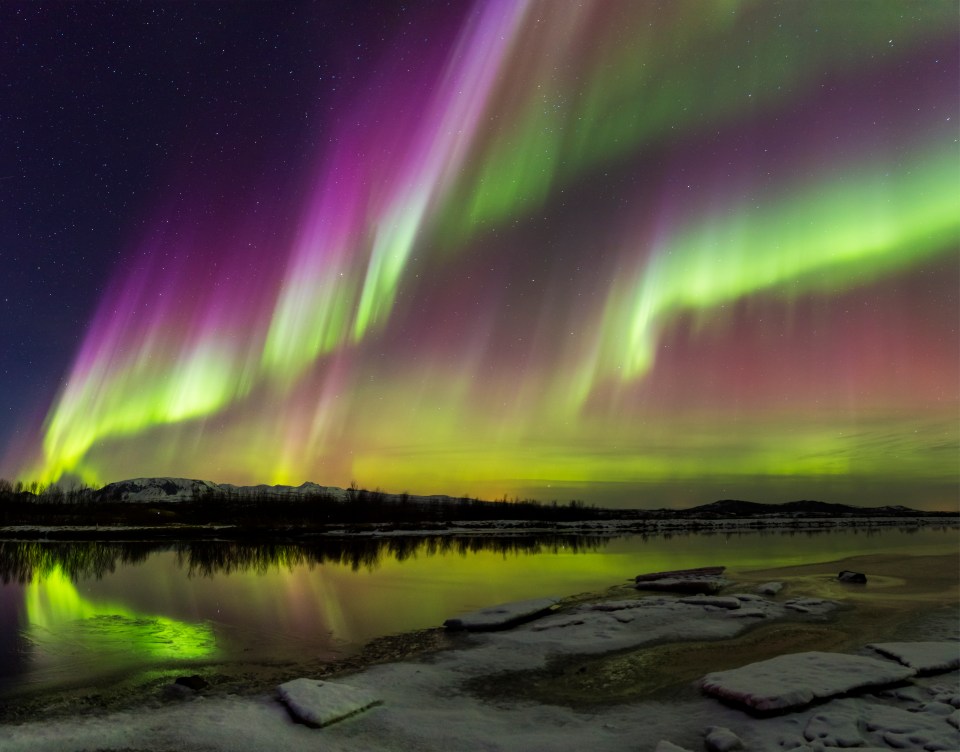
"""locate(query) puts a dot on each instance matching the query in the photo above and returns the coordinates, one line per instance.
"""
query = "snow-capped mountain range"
(186, 489)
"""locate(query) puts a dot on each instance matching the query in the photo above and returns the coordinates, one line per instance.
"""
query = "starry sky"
(636, 253)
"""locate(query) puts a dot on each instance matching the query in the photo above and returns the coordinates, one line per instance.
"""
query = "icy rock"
(701, 580)
(711, 600)
(925, 657)
(833, 728)
(320, 703)
(937, 708)
(909, 694)
(856, 578)
(747, 613)
(948, 695)
(665, 746)
(616, 605)
(720, 739)
(686, 584)
(770, 588)
(805, 605)
(503, 616)
(902, 729)
(798, 679)
(698, 572)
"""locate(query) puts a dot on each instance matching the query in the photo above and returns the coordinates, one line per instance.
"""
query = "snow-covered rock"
(721, 739)
(701, 580)
(925, 657)
(835, 729)
(804, 605)
(320, 703)
(747, 613)
(712, 600)
(503, 616)
(798, 679)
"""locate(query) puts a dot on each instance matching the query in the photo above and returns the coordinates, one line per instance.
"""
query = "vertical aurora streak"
(628, 252)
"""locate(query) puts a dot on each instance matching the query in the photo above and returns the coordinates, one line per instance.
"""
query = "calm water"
(73, 612)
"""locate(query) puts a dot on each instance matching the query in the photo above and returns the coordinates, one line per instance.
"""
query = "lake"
(78, 613)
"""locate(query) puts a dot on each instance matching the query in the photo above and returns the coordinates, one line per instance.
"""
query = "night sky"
(636, 253)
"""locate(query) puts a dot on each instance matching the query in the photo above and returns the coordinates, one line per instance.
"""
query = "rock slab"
(925, 657)
(722, 739)
(320, 703)
(796, 680)
(502, 616)
(715, 601)
(701, 580)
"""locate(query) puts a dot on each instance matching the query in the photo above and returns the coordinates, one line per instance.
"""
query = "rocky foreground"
(691, 660)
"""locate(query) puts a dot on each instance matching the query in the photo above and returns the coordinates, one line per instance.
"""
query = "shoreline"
(920, 603)
(174, 532)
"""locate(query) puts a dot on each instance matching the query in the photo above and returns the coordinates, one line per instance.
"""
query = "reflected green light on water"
(55, 608)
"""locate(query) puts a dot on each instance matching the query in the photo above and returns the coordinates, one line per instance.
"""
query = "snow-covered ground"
(433, 703)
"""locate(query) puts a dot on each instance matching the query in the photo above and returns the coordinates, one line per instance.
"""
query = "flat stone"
(711, 600)
(748, 613)
(700, 580)
(925, 657)
(799, 679)
(673, 573)
(721, 739)
(836, 728)
(502, 616)
(320, 703)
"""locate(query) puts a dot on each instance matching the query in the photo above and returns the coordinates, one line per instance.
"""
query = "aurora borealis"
(637, 253)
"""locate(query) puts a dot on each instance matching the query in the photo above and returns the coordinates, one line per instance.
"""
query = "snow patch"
(720, 739)
(320, 703)
(712, 600)
(770, 588)
(502, 616)
(925, 657)
(798, 679)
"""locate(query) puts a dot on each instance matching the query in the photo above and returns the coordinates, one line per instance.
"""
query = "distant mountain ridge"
(806, 507)
(190, 489)
(153, 490)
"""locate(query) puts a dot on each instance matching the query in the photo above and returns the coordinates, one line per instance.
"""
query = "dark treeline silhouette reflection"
(24, 561)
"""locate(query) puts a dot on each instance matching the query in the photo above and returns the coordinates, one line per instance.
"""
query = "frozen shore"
(622, 671)
(498, 528)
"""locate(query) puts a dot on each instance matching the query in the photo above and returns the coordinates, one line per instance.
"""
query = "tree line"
(24, 504)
